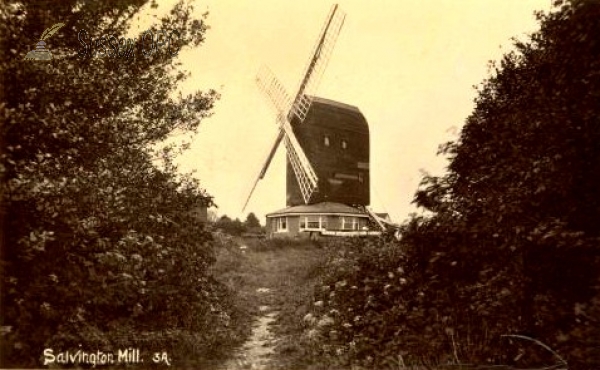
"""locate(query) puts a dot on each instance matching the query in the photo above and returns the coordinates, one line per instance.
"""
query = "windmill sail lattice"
(317, 64)
(274, 90)
(305, 174)
(295, 110)
(281, 101)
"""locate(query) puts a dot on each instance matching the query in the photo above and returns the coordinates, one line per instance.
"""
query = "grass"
(288, 269)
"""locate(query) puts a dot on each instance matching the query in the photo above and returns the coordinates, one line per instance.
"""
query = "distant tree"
(229, 226)
(223, 223)
(238, 227)
(252, 221)
(224, 219)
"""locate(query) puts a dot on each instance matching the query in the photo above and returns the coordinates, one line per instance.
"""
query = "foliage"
(365, 310)
(511, 243)
(520, 204)
(374, 307)
(101, 250)
(237, 227)
(229, 226)
(280, 244)
(252, 221)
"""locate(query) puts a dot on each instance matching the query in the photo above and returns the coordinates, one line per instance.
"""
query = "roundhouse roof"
(318, 208)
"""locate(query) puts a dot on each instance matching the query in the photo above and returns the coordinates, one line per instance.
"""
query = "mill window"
(344, 144)
(282, 224)
(326, 141)
(313, 222)
(349, 223)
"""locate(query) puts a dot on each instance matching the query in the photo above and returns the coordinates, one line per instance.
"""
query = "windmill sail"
(264, 167)
(272, 88)
(305, 174)
(317, 64)
(295, 110)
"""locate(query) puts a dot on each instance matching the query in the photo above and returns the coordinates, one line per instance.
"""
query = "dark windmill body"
(327, 145)
(335, 138)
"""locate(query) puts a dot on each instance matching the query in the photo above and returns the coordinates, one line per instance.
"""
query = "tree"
(251, 221)
(229, 226)
(222, 221)
(100, 249)
(520, 203)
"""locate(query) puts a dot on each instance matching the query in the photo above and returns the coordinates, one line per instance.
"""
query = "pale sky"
(409, 66)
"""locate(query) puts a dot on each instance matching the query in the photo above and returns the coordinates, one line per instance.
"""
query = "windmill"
(327, 146)
(295, 110)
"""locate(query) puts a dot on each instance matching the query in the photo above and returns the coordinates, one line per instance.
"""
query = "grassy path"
(272, 282)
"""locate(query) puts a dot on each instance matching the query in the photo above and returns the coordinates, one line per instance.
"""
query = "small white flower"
(341, 284)
(136, 257)
(309, 319)
(312, 334)
(5, 330)
(325, 321)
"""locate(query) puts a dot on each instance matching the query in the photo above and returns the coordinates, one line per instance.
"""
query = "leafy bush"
(101, 249)
(364, 304)
(510, 246)
(264, 245)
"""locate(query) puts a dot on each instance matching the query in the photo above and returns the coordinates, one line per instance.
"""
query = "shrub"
(102, 250)
(510, 246)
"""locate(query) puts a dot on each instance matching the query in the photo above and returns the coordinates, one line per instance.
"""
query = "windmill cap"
(335, 103)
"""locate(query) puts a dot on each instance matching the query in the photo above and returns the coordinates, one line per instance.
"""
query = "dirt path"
(271, 284)
(257, 352)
